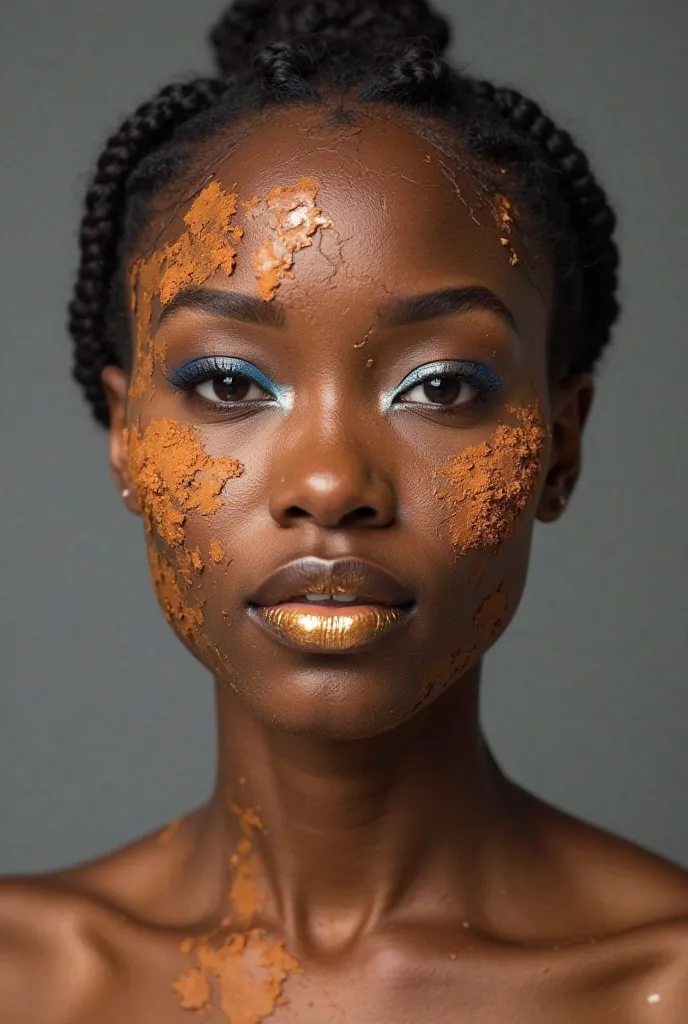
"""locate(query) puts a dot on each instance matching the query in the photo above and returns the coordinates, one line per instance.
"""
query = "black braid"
(281, 52)
(102, 227)
(592, 218)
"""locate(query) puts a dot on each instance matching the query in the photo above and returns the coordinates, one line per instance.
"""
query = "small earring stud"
(561, 501)
(126, 493)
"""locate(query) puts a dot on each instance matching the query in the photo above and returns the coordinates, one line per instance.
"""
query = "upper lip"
(363, 579)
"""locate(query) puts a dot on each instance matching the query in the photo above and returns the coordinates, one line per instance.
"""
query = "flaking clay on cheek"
(240, 969)
(294, 219)
(487, 486)
(174, 476)
(217, 552)
(202, 249)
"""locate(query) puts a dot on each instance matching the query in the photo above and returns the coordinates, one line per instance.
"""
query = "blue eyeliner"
(198, 371)
(478, 375)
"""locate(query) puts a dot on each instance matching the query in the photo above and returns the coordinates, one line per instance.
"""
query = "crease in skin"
(242, 971)
(201, 250)
(438, 675)
(294, 219)
(487, 486)
(491, 615)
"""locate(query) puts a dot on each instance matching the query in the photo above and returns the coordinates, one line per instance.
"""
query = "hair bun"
(250, 25)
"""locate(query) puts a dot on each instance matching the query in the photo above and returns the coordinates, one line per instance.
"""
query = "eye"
(224, 382)
(441, 391)
(446, 385)
(230, 387)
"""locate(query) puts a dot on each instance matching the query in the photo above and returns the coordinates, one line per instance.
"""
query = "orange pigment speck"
(295, 218)
(217, 552)
(504, 212)
(194, 990)
(487, 486)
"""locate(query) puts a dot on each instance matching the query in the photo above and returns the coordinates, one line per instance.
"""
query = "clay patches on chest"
(293, 219)
(487, 486)
(245, 974)
(203, 249)
(239, 968)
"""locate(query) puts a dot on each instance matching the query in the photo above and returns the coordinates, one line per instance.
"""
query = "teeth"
(339, 598)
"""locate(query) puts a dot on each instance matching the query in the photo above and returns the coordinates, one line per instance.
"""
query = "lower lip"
(317, 628)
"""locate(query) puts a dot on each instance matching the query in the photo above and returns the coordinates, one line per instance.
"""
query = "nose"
(332, 482)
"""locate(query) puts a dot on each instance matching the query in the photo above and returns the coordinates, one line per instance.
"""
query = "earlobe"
(570, 409)
(115, 384)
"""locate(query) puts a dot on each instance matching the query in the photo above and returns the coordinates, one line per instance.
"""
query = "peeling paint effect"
(295, 218)
(243, 972)
(202, 250)
(174, 475)
(504, 212)
(488, 486)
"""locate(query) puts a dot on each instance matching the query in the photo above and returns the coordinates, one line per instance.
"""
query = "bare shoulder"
(60, 951)
(634, 902)
(50, 968)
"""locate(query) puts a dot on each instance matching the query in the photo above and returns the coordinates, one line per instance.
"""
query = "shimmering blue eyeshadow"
(197, 371)
(478, 375)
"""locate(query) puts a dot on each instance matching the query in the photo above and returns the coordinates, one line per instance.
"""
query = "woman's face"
(379, 393)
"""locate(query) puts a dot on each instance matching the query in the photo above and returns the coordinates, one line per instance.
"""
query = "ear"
(116, 385)
(570, 408)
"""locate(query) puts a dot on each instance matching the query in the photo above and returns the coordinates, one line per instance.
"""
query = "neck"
(343, 834)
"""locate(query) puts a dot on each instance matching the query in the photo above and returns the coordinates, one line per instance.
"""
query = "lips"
(370, 584)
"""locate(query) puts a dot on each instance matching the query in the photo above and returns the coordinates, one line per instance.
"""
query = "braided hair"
(288, 52)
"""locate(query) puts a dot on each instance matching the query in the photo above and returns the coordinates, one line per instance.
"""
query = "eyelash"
(185, 379)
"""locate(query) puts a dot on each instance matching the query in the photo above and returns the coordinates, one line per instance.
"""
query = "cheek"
(487, 487)
(489, 495)
(179, 486)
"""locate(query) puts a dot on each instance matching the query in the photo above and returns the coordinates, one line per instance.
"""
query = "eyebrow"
(416, 308)
(223, 304)
(397, 312)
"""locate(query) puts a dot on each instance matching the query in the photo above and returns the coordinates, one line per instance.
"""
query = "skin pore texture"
(364, 858)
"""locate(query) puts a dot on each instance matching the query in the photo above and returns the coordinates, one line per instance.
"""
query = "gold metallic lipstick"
(318, 629)
(318, 605)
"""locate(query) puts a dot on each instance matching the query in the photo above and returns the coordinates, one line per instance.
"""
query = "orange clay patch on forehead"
(174, 475)
(204, 248)
(488, 486)
(293, 220)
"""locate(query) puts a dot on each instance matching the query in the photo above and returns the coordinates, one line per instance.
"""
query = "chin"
(331, 699)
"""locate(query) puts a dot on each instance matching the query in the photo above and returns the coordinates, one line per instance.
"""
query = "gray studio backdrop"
(105, 721)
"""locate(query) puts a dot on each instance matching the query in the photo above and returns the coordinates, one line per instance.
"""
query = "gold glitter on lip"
(324, 631)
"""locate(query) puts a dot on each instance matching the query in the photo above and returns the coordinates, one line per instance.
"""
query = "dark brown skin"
(408, 875)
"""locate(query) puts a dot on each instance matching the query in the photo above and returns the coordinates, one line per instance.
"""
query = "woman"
(341, 309)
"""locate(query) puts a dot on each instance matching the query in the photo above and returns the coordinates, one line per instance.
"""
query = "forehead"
(406, 216)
